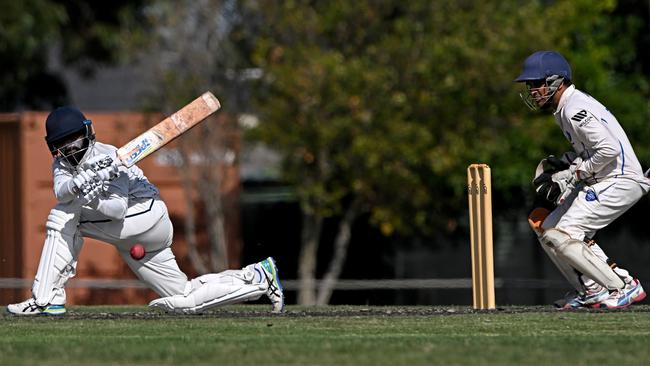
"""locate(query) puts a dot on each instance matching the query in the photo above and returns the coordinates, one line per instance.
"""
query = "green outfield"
(248, 335)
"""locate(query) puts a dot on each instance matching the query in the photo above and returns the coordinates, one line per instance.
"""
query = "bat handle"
(104, 163)
(113, 164)
(117, 166)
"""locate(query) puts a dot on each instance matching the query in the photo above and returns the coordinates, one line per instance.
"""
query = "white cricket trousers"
(594, 207)
(147, 223)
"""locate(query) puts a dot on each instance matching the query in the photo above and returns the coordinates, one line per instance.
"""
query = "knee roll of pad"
(554, 238)
(57, 220)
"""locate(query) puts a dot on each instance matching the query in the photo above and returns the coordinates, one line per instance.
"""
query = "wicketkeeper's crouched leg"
(581, 262)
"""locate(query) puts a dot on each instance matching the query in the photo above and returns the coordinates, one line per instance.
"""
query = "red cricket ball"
(137, 252)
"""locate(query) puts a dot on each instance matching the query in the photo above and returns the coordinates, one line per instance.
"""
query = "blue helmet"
(543, 64)
(62, 126)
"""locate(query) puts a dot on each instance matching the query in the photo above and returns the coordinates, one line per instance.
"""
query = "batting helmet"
(66, 122)
(543, 64)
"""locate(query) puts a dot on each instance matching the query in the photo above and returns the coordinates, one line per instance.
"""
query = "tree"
(88, 34)
(27, 28)
(378, 107)
(193, 46)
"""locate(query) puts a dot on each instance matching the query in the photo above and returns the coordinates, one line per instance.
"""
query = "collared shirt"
(597, 137)
(128, 189)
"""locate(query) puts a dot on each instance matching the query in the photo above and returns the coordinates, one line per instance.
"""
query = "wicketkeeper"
(121, 207)
(586, 189)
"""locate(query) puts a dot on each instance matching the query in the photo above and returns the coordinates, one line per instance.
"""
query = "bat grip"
(104, 163)
(113, 164)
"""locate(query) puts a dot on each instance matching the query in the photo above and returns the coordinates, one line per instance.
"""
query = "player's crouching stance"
(121, 207)
(585, 190)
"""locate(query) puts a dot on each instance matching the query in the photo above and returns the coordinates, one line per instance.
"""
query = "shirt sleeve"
(599, 139)
(63, 184)
(114, 202)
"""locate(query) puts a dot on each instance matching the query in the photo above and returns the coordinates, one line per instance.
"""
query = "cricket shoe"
(623, 298)
(590, 298)
(29, 307)
(568, 297)
(274, 290)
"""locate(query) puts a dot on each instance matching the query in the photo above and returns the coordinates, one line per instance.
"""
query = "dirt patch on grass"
(86, 313)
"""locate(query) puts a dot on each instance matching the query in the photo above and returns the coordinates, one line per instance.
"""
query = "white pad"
(215, 289)
(579, 256)
(621, 272)
(58, 260)
(567, 271)
(536, 220)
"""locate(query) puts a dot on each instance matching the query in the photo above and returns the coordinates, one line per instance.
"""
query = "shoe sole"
(639, 298)
(54, 310)
(276, 279)
(275, 274)
(46, 312)
(593, 303)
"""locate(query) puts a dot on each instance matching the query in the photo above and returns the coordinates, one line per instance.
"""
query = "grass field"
(349, 335)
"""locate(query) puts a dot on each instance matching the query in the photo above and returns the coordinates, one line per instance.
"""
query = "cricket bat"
(167, 130)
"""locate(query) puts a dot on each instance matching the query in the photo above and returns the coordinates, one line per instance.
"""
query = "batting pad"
(577, 254)
(58, 260)
(567, 271)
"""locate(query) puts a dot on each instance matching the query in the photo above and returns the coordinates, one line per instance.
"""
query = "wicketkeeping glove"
(555, 178)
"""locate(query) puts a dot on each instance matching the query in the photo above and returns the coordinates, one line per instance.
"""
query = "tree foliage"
(193, 46)
(88, 34)
(378, 107)
(390, 101)
(26, 30)
(382, 105)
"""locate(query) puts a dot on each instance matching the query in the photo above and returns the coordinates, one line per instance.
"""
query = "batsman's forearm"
(114, 207)
(65, 191)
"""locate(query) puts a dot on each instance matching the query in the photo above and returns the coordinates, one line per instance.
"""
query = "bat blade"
(168, 129)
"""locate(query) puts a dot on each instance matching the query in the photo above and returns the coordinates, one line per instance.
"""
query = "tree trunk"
(310, 237)
(210, 189)
(341, 245)
(190, 223)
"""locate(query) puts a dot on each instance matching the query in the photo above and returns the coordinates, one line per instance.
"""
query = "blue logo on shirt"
(591, 196)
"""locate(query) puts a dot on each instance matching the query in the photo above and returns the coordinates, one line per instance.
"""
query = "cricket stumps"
(479, 189)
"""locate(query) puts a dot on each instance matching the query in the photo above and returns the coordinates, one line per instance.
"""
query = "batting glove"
(91, 195)
(104, 166)
(85, 180)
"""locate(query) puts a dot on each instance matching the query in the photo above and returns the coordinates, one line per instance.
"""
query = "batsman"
(583, 190)
(118, 205)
